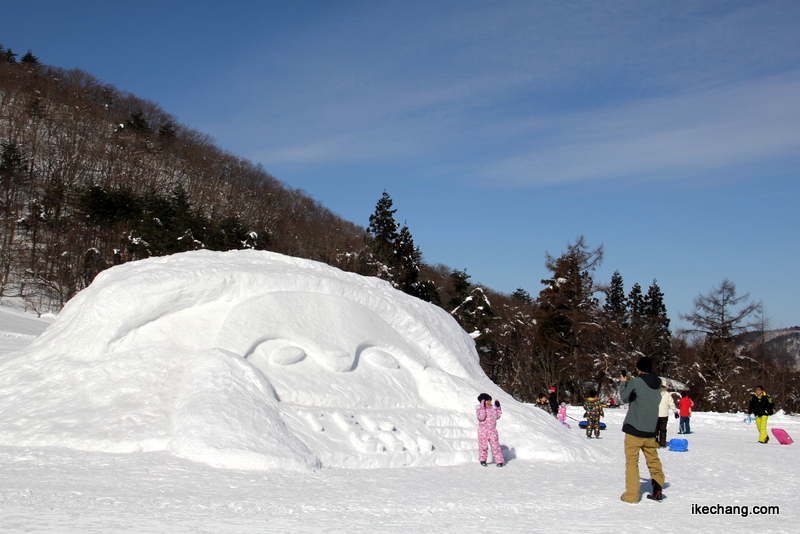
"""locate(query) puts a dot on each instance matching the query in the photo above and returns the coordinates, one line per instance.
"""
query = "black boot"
(657, 495)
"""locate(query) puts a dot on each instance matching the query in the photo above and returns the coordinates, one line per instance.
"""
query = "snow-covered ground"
(18, 330)
(249, 392)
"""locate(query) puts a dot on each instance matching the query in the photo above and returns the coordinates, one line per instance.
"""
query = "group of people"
(645, 424)
(682, 411)
(549, 403)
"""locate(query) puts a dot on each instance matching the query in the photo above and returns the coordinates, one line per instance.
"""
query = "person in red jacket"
(685, 405)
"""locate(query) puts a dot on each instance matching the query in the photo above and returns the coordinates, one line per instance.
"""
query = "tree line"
(91, 177)
(578, 334)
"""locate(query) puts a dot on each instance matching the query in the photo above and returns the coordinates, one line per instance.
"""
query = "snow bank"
(254, 360)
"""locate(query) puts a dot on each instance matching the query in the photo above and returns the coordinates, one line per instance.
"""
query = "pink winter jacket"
(488, 416)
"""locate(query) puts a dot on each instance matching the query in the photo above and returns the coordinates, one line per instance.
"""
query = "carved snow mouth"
(384, 438)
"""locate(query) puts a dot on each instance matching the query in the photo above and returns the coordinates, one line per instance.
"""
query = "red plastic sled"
(781, 435)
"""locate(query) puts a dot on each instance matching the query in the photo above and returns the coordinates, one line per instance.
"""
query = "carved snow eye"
(276, 352)
(288, 355)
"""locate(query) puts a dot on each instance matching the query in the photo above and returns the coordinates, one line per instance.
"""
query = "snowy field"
(61, 490)
(95, 437)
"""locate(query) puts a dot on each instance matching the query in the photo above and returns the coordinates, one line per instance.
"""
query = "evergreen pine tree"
(460, 288)
(521, 295)
(399, 260)
(11, 159)
(616, 305)
(29, 59)
(636, 311)
(658, 344)
(383, 229)
(407, 259)
(476, 316)
(13, 179)
(614, 322)
(7, 56)
(568, 297)
(426, 290)
(656, 310)
(636, 318)
(138, 123)
(472, 310)
(188, 227)
(167, 132)
(567, 314)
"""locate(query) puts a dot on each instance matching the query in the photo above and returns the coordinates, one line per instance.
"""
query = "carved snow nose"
(337, 360)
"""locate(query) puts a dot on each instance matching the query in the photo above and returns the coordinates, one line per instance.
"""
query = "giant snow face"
(324, 350)
(256, 360)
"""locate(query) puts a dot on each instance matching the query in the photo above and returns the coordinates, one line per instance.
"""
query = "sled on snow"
(782, 436)
(679, 445)
(585, 424)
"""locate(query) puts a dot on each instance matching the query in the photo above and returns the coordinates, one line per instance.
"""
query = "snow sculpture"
(254, 360)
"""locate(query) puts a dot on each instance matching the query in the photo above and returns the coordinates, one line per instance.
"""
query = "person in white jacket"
(667, 405)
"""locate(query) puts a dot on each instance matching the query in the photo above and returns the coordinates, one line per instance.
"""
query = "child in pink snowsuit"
(562, 414)
(487, 429)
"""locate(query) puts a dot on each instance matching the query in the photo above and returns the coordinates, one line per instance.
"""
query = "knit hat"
(645, 364)
(484, 397)
(552, 390)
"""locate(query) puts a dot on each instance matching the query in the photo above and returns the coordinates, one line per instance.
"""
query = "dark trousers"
(661, 431)
(684, 427)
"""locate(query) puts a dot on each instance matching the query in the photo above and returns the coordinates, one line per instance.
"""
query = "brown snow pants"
(649, 448)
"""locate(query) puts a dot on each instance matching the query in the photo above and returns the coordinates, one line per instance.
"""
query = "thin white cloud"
(493, 92)
(677, 136)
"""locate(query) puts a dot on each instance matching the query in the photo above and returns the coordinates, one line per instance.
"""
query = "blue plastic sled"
(679, 445)
(584, 424)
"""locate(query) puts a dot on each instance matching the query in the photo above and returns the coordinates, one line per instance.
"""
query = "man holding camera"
(644, 395)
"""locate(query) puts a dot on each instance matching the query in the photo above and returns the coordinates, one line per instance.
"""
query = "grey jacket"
(644, 394)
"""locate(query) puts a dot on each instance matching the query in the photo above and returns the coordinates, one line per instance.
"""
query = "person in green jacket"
(644, 395)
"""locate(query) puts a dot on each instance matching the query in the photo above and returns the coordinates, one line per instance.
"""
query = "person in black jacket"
(554, 404)
(543, 403)
(761, 407)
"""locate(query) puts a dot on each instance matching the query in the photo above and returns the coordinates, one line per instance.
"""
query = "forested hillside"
(91, 177)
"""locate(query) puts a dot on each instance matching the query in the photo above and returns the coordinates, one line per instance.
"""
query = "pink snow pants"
(486, 437)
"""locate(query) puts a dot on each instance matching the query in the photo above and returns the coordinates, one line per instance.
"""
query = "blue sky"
(668, 132)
